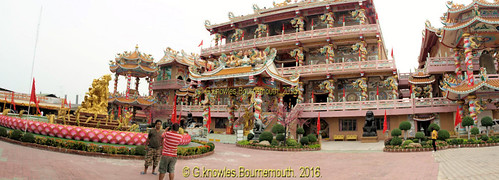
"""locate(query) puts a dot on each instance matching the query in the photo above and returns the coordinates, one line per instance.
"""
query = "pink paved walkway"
(19, 162)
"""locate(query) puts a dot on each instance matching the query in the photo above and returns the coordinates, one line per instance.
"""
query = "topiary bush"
(407, 142)
(487, 122)
(3, 132)
(475, 131)
(433, 126)
(312, 138)
(420, 136)
(277, 129)
(274, 142)
(484, 138)
(304, 141)
(396, 132)
(467, 121)
(16, 134)
(28, 137)
(250, 136)
(291, 142)
(443, 134)
(396, 141)
(405, 126)
(300, 131)
(140, 150)
(266, 136)
(280, 137)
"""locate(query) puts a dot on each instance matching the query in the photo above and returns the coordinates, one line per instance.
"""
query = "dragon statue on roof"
(237, 36)
(298, 23)
(262, 28)
(285, 3)
(328, 18)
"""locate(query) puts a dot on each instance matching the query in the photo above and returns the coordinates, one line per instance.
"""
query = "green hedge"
(3, 132)
(304, 140)
(266, 136)
(396, 132)
(312, 138)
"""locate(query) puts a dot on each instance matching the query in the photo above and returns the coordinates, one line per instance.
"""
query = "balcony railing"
(376, 105)
(338, 68)
(446, 64)
(293, 37)
(168, 84)
(26, 97)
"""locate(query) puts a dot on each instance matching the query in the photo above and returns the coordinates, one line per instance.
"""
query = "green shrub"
(300, 131)
(304, 140)
(484, 138)
(40, 140)
(315, 146)
(16, 134)
(387, 141)
(109, 149)
(140, 150)
(280, 137)
(443, 135)
(312, 138)
(123, 150)
(277, 129)
(28, 137)
(487, 121)
(274, 142)
(467, 121)
(266, 136)
(243, 142)
(80, 146)
(3, 132)
(406, 125)
(407, 142)
(181, 151)
(420, 136)
(291, 142)
(396, 141)
(396, 132)
(475, 131)
(212, 146)
(250, 136)
(433, 126)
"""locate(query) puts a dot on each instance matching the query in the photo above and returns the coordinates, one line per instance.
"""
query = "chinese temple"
(135, 65)
(329, 57)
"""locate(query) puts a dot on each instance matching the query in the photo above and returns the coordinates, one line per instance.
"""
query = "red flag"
(458, 117)
(65, 102)
(377, 90)
(119, 111)
(392, 53)
(208, 122)
(12, 101)
(37, 108)
(69, 104)
(385, 124)
(200, 44)
(174, 112)
(33, 94)
(319, 123)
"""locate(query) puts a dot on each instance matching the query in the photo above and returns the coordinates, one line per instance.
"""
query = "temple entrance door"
(487, 61)
(289, 100)
(311, 128)
(321, 98)
(424, 125)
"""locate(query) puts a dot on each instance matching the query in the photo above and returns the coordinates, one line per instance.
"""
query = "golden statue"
(95, 100)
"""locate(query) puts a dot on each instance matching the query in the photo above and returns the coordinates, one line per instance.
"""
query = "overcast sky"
(77, 38)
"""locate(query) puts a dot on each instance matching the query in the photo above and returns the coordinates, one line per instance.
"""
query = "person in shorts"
(171, 139)
(153, 147)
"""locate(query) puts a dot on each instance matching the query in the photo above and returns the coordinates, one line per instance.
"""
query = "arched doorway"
(311, 127)
(487, 61)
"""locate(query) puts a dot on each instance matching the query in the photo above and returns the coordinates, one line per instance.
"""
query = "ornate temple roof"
(465, 89)
(174, 56)
(137, 101)
(238, 65)
(135, 63)
(421, 80)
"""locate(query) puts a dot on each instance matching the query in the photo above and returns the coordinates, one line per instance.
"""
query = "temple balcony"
(168, 84)
(339, 68)
(355, 108)
(436, 65)
(291, 38)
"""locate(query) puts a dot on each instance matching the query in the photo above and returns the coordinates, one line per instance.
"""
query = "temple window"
(348, 125)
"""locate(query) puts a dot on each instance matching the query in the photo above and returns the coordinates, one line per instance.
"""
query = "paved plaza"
(335, 161)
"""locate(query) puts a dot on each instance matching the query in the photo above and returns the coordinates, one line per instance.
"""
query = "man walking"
(171, 139)
(153, 147)
(434, 136)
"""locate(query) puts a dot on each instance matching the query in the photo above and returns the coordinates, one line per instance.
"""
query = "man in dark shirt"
(153, 147)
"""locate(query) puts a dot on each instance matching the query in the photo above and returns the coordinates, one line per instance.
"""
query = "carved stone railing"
(293, 37)
(168, 84)
(339, 68)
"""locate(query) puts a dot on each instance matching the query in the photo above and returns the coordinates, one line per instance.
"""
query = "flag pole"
(34, 53)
